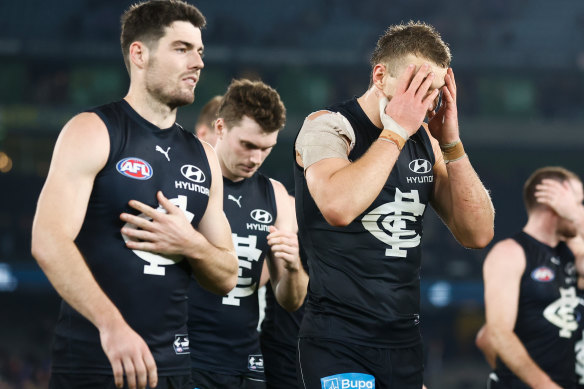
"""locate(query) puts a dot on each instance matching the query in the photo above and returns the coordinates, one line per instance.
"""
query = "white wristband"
(388, 122)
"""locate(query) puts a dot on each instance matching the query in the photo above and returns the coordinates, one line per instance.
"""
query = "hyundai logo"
(259, 215)
(420, 166)
(192, 173)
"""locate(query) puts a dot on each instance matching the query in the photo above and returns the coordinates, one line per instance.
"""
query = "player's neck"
(227, 173)
(369, 103)
(543, 228)
(157, 113)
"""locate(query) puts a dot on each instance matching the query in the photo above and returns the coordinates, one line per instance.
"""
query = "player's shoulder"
(278, 186)
(507, 253)
(209, 151)
(280, 192)
(317, 114)
(85, 127)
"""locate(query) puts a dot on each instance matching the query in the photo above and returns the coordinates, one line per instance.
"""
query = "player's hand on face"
(443, 124)
(129, 354)
(284, 245)
(165, 232)
(559, 196)
(411, 100)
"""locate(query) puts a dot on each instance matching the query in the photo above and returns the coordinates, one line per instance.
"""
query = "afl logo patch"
(420, 166)
(192, 173)
(543, 274)
(135, 168)
(259, 215)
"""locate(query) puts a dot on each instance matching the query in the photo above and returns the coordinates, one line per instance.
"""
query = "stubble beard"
(172, 99)
(157, 85)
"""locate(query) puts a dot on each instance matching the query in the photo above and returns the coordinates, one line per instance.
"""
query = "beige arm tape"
(329, 135)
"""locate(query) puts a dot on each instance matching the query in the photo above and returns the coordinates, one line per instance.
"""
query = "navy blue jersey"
(364, 283)
(223, 330)
(279, 339)
(579, 345)
(148, 289)
(546, 323)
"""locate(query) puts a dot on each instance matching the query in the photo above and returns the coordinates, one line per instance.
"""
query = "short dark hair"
(416, 38)
(146, 21)
(556, 173)
(208, 113)
(256, 100)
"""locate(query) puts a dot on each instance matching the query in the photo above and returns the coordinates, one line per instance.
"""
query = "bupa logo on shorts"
(348, 381)
(543, 274)
(192, 173)
(134, 168)
(181, 344)
(259, 215)
(420, 166)
(255, 362)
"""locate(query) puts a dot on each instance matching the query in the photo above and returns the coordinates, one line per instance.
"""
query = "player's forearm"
(290, 290)
(64, 266)
(215, 268)
(512, 352)
(351, 190)
(473, 215)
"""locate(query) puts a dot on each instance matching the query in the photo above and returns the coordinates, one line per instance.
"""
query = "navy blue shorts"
(102, 381)
(202, 379)
(279, 365)
(328, 364)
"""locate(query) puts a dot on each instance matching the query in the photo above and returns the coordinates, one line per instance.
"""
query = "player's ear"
(378, 75)
(219, 125)
(138, 54)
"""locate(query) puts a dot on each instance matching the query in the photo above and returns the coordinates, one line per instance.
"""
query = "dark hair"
(416, 38)
(256, 100)
(146, 22)
(550, 172)
(208, 113)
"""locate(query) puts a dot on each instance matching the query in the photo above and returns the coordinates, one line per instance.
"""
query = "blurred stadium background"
(519, 67)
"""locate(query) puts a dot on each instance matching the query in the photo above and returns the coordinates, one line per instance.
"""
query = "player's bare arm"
(502, 272)
(460, 197)
(209, 249)
(288, 278)
(483, 343)
(80, 153)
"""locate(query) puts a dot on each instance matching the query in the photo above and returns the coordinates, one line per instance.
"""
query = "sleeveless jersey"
(148, 289)
(579, 345)
(364, 283)
(223, 330)
(546, 323)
